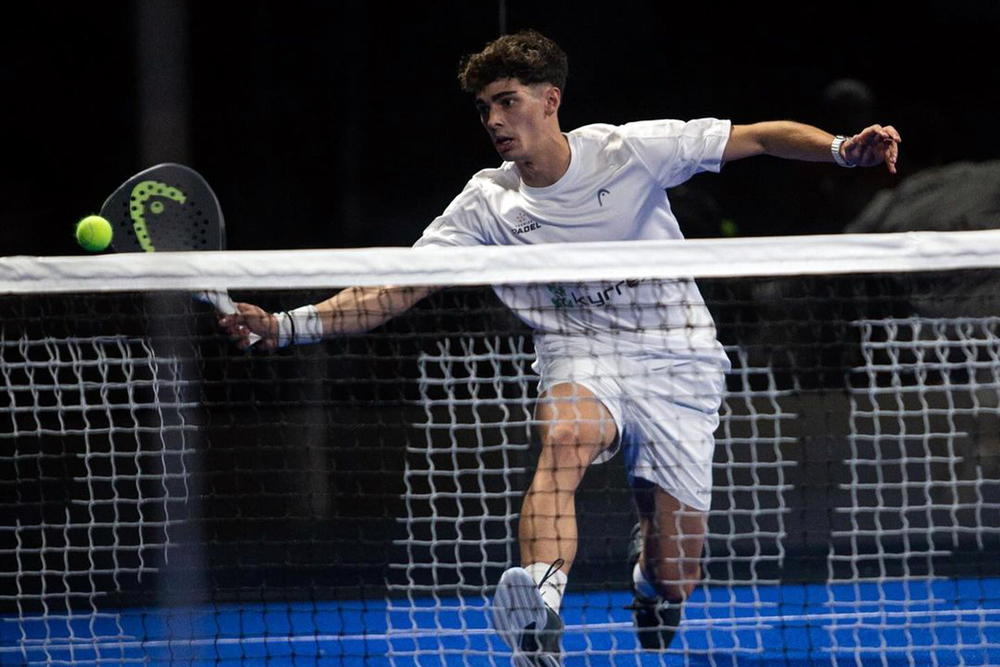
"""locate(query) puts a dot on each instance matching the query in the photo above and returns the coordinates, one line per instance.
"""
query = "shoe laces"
(553, 568)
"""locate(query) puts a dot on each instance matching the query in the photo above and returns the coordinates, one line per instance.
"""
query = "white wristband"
(838, 141)
(302, 325)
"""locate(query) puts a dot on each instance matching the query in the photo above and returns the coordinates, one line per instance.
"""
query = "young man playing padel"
(633, 365)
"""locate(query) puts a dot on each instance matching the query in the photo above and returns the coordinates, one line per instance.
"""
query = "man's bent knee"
(563, 446)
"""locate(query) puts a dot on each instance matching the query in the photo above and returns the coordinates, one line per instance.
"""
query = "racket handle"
(224, 304)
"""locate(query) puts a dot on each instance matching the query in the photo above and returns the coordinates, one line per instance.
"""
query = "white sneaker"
(525, 623)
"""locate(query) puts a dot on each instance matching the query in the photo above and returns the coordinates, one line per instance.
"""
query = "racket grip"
(221, 301)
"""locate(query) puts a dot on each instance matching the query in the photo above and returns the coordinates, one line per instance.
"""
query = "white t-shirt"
(613, 190)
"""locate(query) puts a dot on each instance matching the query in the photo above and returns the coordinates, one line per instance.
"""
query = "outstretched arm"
(354, 310)
(795, 141)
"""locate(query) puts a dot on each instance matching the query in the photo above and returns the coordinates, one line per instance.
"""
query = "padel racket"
(169, 207)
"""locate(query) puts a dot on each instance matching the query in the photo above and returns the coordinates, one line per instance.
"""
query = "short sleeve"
(675, 150)
(461, 224)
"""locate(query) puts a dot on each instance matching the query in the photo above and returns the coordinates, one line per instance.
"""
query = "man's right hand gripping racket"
(169, 207)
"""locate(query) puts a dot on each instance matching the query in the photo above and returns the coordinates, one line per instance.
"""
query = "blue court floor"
(920, 622)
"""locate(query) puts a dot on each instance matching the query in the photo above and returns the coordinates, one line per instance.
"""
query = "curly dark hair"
(527, 56)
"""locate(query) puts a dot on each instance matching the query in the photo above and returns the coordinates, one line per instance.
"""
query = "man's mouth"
(503, 143)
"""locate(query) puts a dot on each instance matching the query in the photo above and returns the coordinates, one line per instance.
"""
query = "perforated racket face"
(166, 207)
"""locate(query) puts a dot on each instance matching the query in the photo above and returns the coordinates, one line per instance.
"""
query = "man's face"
(516, 116)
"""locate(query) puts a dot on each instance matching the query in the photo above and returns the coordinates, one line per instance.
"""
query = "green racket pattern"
(169, 208)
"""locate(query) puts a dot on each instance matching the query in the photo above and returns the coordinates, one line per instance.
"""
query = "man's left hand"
(875, 145)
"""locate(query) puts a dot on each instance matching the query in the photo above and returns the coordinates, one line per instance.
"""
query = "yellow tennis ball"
(93, 233)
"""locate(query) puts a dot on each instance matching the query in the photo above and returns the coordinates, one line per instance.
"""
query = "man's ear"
(553, 98)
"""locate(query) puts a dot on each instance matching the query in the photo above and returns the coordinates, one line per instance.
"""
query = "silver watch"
(835, 151)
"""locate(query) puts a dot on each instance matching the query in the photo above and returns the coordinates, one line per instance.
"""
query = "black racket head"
(168, 207)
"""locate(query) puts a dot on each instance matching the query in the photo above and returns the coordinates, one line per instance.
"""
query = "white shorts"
(665, 406)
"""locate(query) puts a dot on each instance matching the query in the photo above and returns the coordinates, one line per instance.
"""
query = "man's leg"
(671, 537)
(575, 428)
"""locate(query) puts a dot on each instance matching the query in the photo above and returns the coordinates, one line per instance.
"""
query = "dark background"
(330, 125)
(341, 124)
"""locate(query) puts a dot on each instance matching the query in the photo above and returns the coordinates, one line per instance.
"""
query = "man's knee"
(566, 445)
(562, 436)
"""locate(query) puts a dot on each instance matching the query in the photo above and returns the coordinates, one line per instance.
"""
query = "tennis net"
(171, 499)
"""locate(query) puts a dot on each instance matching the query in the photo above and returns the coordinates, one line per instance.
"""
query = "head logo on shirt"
(600, 196)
